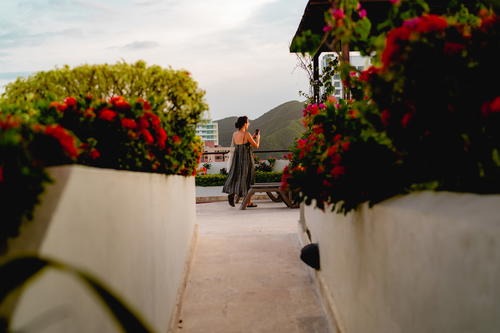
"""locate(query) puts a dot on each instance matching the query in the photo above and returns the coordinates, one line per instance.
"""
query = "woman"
(242, 171)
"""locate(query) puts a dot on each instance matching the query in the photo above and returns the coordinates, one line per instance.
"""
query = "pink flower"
(338, 14)
(327, 28)
(362, 13)
(395, 2)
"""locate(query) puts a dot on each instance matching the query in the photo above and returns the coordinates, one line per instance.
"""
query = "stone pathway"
(246, 275)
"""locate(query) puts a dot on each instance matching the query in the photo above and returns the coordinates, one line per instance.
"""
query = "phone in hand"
(257, 131)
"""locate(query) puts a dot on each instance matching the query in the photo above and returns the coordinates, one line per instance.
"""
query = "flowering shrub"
(25, 149)
(338, 160)
(117, 133)
(435, 104)
(425, 117)
(126, 135)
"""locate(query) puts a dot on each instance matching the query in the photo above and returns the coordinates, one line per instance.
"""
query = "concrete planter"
(133, 231)
(425, 262)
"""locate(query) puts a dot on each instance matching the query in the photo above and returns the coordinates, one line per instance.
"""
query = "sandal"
(252, 205)
(230, 199)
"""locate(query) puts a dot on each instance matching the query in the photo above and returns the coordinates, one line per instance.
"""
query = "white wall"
(425, 262)
(131, 230)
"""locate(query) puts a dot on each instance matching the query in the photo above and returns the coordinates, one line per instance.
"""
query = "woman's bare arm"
(254, 143)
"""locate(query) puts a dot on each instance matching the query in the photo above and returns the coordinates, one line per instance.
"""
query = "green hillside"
(279, 127)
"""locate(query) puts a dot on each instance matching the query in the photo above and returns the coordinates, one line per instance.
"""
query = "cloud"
(13, 75)
(141, 45)
(237, 50)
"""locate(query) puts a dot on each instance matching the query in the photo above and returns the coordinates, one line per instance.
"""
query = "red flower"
(155, 120)
(392, 44)
(337, 137)
(317, 129)
(336, 159)
(66, 140)
(367, 74)
(143, 122)
(70, 101)
(284, 179)
(128, 123)
(346, 145)
(147, 136)
(116, 99)
(489, 107)
(122, 105)
(338, 171)
(406, 119)
(108, 115)
(338, 14)
(320, 170)
(495, 105)
(2, 179)
(426, 23)
(9, 122)
(176, 139)
(353, 114)
(54, 105)
(385, 116)
(332, 150)
(327, 28)
(452, 48)
(94, 154)
(162, 137)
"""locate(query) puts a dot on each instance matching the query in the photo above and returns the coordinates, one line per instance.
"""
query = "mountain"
(278, 127)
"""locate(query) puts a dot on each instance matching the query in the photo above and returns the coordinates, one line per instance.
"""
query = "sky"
(237, 50)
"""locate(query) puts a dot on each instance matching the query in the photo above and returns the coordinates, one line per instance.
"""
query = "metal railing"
(225, 152)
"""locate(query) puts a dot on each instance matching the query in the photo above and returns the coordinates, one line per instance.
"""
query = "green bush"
(168, 90)
(219, 180)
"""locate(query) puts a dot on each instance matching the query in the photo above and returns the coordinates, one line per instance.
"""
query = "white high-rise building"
(356, 60)
(208, 130)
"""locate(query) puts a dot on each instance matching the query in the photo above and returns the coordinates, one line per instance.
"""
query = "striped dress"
(242, 171)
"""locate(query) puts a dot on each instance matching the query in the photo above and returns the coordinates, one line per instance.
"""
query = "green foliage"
(425, 118)
(25, 150)
(170, 91)
(210, 180)
(219, 180)
(155, 135)
(16, 273)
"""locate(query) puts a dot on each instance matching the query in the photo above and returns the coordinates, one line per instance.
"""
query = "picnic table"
(269, 189)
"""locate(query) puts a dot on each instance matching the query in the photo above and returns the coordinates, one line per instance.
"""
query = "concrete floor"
(246, 274)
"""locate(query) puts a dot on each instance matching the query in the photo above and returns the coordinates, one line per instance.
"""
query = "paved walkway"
(247, 276)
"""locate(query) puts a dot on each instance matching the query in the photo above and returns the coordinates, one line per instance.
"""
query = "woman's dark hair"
(241, 121)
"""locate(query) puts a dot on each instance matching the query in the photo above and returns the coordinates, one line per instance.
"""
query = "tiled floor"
(247, 276)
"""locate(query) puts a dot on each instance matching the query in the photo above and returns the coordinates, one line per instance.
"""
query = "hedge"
(219, 180)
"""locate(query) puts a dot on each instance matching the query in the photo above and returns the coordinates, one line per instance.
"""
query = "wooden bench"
(269, 189)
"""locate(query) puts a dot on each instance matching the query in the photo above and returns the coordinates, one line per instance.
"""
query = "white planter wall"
(131, 230)
(425, 262)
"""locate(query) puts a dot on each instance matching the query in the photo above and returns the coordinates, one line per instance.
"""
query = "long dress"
(242, 171)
